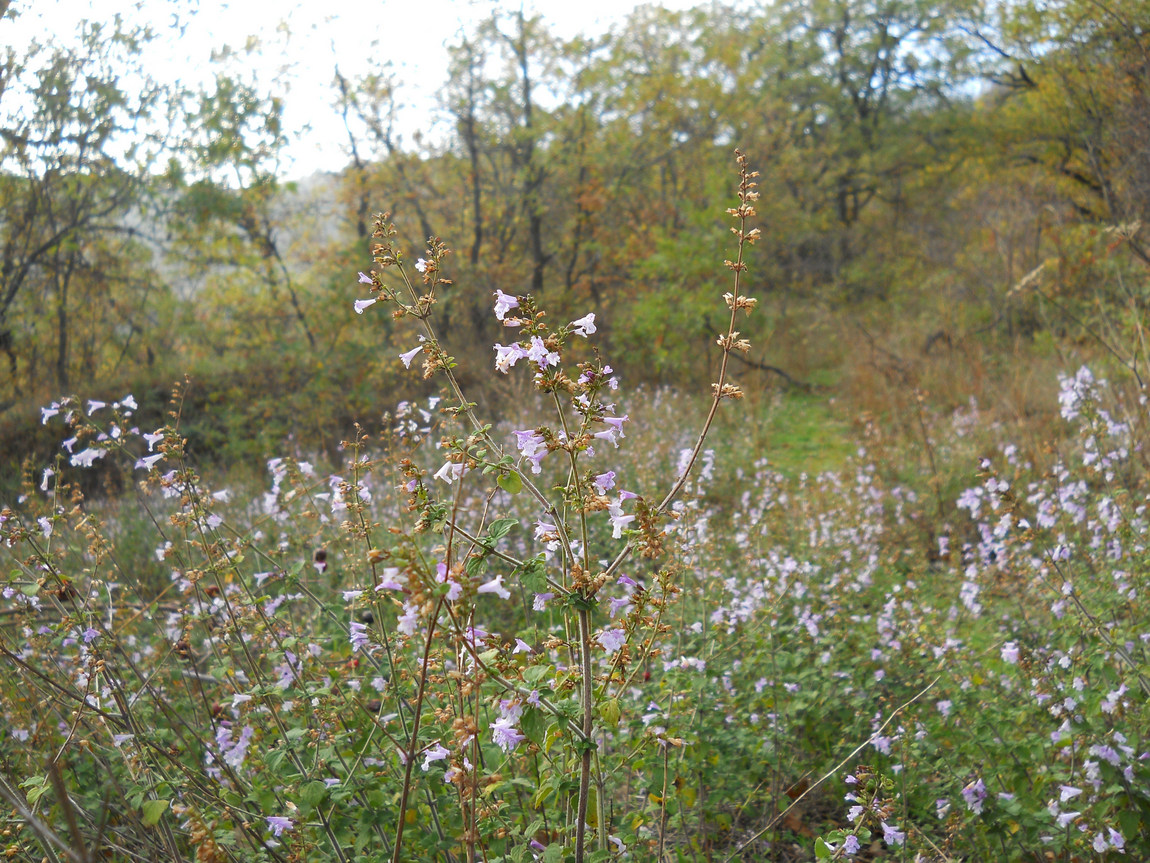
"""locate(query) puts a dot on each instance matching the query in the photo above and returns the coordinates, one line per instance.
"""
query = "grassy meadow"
(739, 622)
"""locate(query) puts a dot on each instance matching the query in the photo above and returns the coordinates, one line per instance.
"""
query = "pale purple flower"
(618, 520)
(450, 472)
(1010, 653)
(584, 326)
(364, 279)
(533, 447)
(94, 406)
(505, 734)
(508, 355)
(409, 620)
(410, 355)
(974, 794)
(48, 474)
(434, 753)
(851, 845)
(1068, 792)
(91, 635)
(148, 461)
(617, 423)
(495, 586)
(538, 353)
(1065, 819)
(358, 637)
(389, 580)
(612, 639)
(421, 265)
(154, 439)
(86, 457)
(49, 412)
(504, 303)
(540, 601)
(278, 824)
(604, 481)
(360, 305)
(45, 526)
(892, 835)
(521, 646)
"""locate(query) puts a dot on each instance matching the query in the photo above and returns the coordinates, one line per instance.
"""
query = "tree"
(75, 156)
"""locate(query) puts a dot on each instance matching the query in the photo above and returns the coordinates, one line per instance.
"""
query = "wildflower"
(617, 423)
(851, 845)
(612, 639)
(974, 794)
(85, 458)
(495, 586)
(1010, 653)
(508, 355)
(521, 646)
(533, 447)
(1065, 819)
(504, 303)
(618, 520)
(434, 753)
(364, 279)
(389, 581)
(49, 412)
(360, 305)
(408, 620)
(94, 406)
(278, 824)
(585, 326)
(45, 526)
(1068, 792)
(410, 355)
(148, 461)
(421, 265)
(358, 638)
(505, 734)
(48, 474)
(450, 472)
(538, 353)
(540, 601)
(91, 635)
(604, 481)
(892, 835)
(128, 401)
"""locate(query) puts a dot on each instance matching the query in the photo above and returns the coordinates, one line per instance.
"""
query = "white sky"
(301, 56)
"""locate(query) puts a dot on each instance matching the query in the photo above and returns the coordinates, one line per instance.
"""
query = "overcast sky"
(302, 40)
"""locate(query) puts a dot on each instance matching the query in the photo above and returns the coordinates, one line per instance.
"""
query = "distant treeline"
(920, 162)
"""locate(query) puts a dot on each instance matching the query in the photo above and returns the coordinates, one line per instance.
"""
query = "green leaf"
(501, 527)
(822, 850)
(533, 575)
(474, 567)
(312, 794)
(30, 589)
(510, 482)
(153, 810)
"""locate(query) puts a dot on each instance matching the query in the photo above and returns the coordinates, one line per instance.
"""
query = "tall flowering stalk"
(586, 421)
